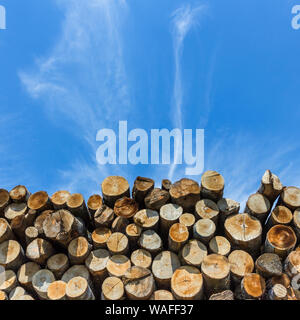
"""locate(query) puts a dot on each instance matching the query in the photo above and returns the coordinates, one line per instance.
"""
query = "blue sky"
(71, 67)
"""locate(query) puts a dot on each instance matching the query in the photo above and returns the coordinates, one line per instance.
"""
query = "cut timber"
(270, 186)
(187, 283)
(163, 267)
(227, 207)
(5, 231)
(77, 271)
(24, 297)
(57, 290)
(185, 193)
(258, 206)
(94, 203)
(207, 209)
(268, 265)
(59, 199)
(292, 264)
(141, 258)
(126, 207)
(119, 225)
(290, 197)
(212, 185)
(39, 201)
(204, 230)
(19, 194)
(146, 219)
(169, 214)
(39, 250)
(133, 232)
(224, 295)
(113, 289)
(31, 233)
(100, 237)
(78, 289)
(296, 222)
(117, 265)
(78, 250)
(104, 217)
(216, 273)
(283, 279)
(58, 264)
(156, 199)
(166, 184)
(41, 281)
(76, 205)
(188, 220)
(38, 222)
(138, 283)
(278, 292)
(26, 273)
(3, 296)
(142, 186)
(241, 263)
(281, 240)
(11, 255)
(244, 232)
(253, 286)
(118, 243)
(14, 210)
(114, 188)
(8, 281)
(220, 245)
(178, 237)
(150, 241)
(20, 223)
(280, 215)
(16, 293)
(193, 253)
(4, 200)
(162, 295)
(96, 264)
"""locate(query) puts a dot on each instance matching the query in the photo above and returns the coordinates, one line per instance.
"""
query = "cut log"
(100, 237)
(117, 265)
(39, 250)
(11, 255)
(3, 296)
(126, 207)
(207, 209)
(166, 184)
(141, 258)
(104, 217)
(162, 295)
(292, 264)
(241, 263)
(227, 208)
(142, 186)
(16, 293)
(79, 289)
(39, 201)
(76, 205)
(253, 286)
(31, 233)
(4, 200)
(150, 241)
(146, 219)
(258, 206)
(185, 193)
(290, 197)
(296, 222)
(216, 273)
(280, 215)
(193, 253)
(14, 210)
(78, 250)
(41, 281)
(212, 185)
(19, 194)
(59, 199)
(281, 240)
(96, 263)
(94, 203)
(224, 295)
(187, 283)
(138, 283)
(119, 225)
(20, 223)
(58, 264)
(178, 237)
(204, 230)
(244, 232)
(268, 265)
(57, 291)
(118, 243)
(113, 289)
(188, 220)
(169, 214)
(38, 223)
(283, 279)
(77, 271)
(5, 231)
(219, 245)
(278, 292)
(133, 232)
(24, 297)
(114, 188)
(26, 273)
(8, 281)
(163, 267)
(156, 199)
(270, 186)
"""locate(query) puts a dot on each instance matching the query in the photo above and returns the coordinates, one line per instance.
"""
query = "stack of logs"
(182, 241)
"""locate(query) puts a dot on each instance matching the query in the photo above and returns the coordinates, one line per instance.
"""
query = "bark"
(212, 185)
(224, 295)
(4, 200)
(268, 265)
(104, 217)
(142, 186)
(296, 222)
(156, 199)
(119, 225)
(166, 184)
(270, 186)
(114, 188)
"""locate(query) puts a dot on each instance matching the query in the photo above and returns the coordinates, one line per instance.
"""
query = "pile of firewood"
(181, 241)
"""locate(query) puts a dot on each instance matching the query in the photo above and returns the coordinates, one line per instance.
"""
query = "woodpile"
(180, 241)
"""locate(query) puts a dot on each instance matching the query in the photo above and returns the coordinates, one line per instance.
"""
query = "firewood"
(188, 219)
(278, 292)
(283, 279)
(216, 273)
(281, 240)
(253, 286)
(94, 203)
(150, 241)
(11, 255)
(114, 188)
(138, 283)
(185, 193)
(141, 258)
(258, 206)
(31, 233)
(39, 250)
(24, 297)
(142, 186)
(280, 215)
(162, 295)
(4, 200)
(271, 186)
(169, 214)
(156, 199)
(14, 210)
(113, 289)
(268, 265)
(118, 243)
(76, 205)
(3, 296)
(244, 232)
(126, 207)
(292, 264)
(96, 263)
(57, 291)
(78, 289)
(100, 237)
(241, 263)
(5, 231)
(77, 271)
(146, 219)
(38, 222)
(104, 217)
(193, 253)
(166, 184)
(207, 209)
(117, 265)
(224, 295)
(163, 267)
(20, 223)
(296, 222)
(290, 197)
(133, 232)
(8, 281)
(212, 185)
(59, 199)
(78, 250)
(119, 225)
(39, 201)
(227, 207)
(19, 194)
(41, 281)
(26, 273)
(187, 283)
(16, 293)
(204, 230)
(219, 245)
(58, 264)
(178, 237)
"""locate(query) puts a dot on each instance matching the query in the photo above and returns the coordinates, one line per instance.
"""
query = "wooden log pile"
(183, 240)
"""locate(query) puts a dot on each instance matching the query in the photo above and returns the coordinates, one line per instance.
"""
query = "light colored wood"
(212, 185)
(169, 214)
(58, 264)
(96, 263)
(162, 295)
(94, 203)
(133, 232)
(253, 286)
(292, 264)
(241, 263)
(78, 250)
(113, 289)
(25, 274)
(296, 222)
(104, 217)
(77, 271)
(204, 230)
(156, 199)
(4, 200)
(31, 233)
(57, 291)
(11, 255)
(41, 281)
(3, 296)
(224, 295)
(178, 237)
(126, 207)
(216, 273)
(270, 186)
(146, 219)
(114, 188)
(8, 281)
(163, 267)
(38, 222)
(141, 258)
(117, 265)
(138, 283)
(188, 219)
(280, 215)
(142, 186)
(39, 201)
(16, 293)
(185, 193)
(283, 279)
(25, 297)
(278, 292)
(78, 289)
(118, 243)
(150, 241)
(166, 184)
(227, 207)
(5, 231)
(59, 199)
(268, 265)
(258, 206)
(207, 209)
(100, 237)
(76, 205)
(219, 245)
(14, 210)
(39, 250)
(119, 225)
(193, 253)
(187, 283)
(290, 197)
